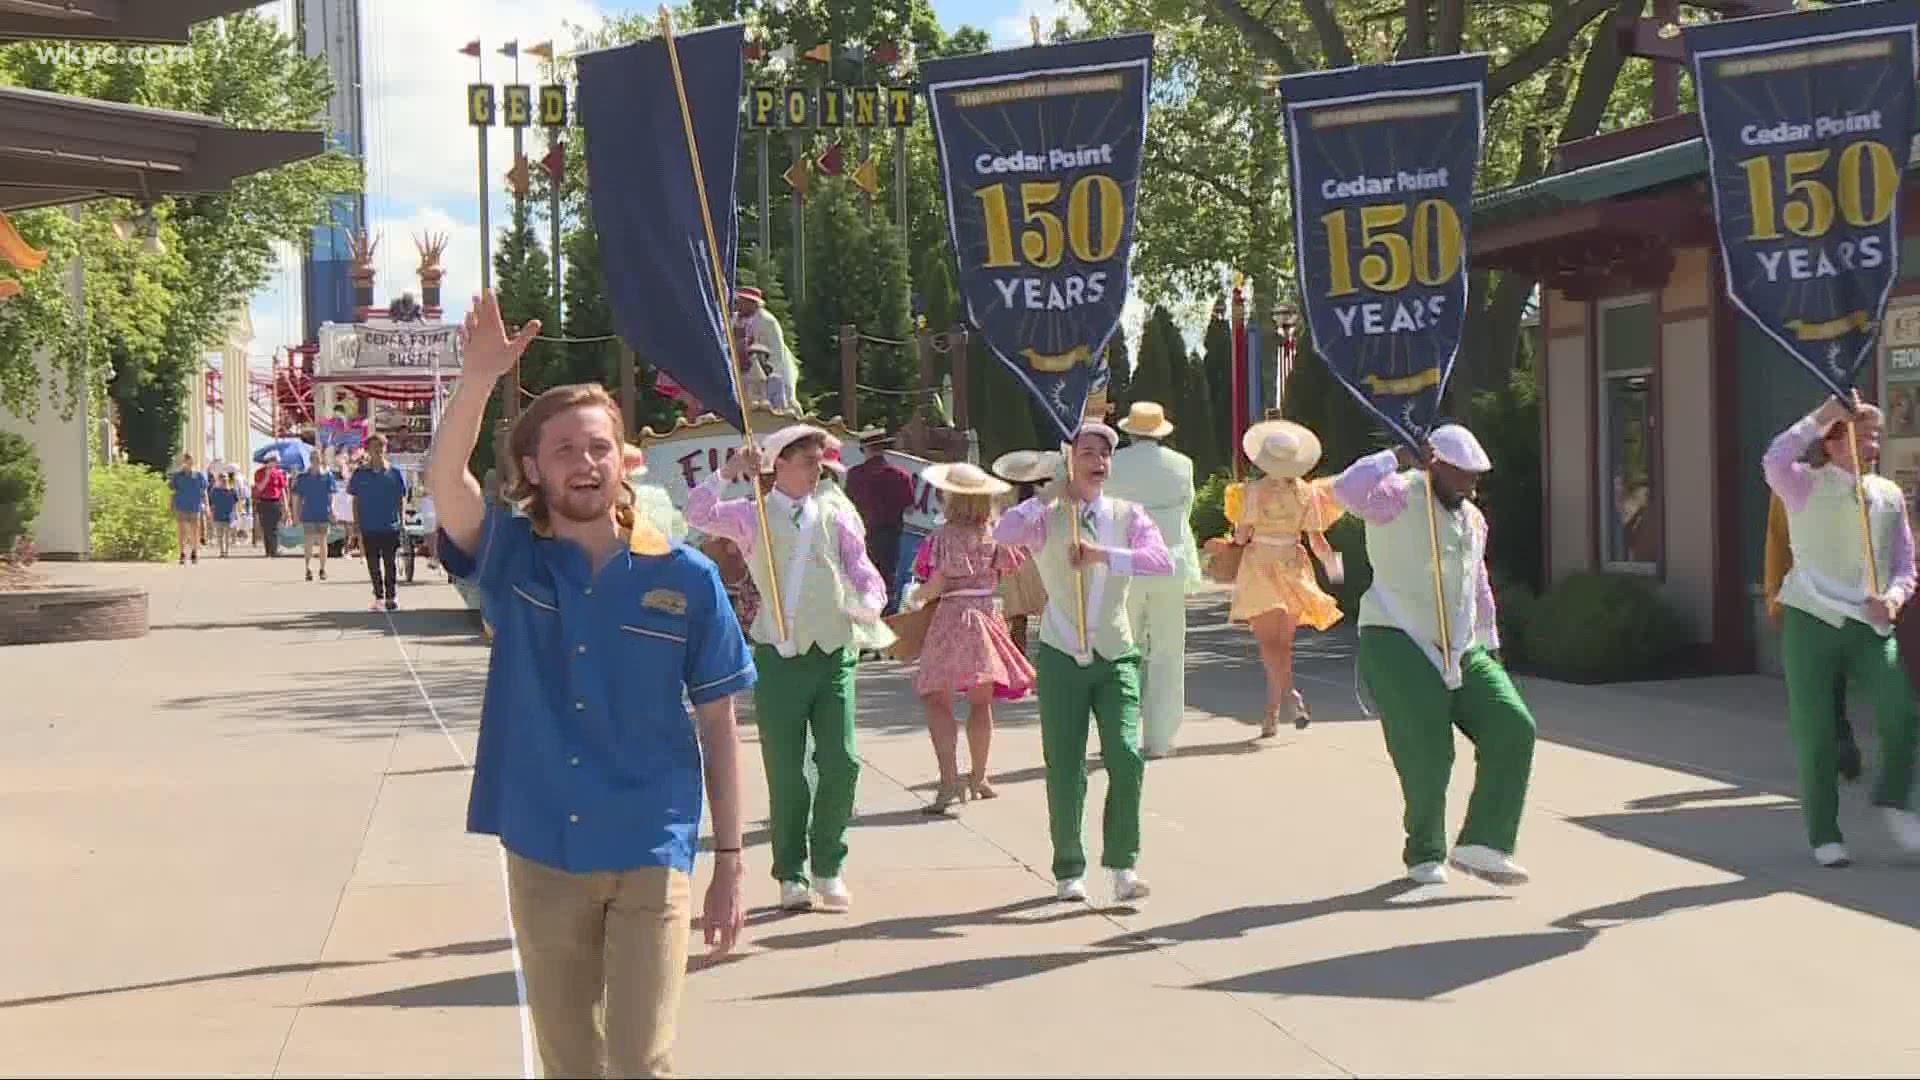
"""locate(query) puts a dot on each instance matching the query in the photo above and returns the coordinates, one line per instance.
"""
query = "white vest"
(1401, 597)
(1108, 633)
(814, 590)
(1828, 579)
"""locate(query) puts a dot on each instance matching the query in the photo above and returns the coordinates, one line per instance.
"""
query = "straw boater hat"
(1026, 466)
(1094, 427)
(1148, 420)
(748, 292)
(961, 478)
(1281, 448)
(793, 433)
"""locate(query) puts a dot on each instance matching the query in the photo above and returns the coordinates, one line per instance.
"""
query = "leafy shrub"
(132, 514)
(1518, 607)
(1209, 515)
(23, 484)
(1507, 422)
(1596, 627)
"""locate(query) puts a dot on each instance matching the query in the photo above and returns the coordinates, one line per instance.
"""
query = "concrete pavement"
(235, 848)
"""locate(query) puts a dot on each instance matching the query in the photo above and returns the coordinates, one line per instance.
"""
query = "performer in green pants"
(1423, 691)
(1837, 625)
(833, 598)
(1117, 540)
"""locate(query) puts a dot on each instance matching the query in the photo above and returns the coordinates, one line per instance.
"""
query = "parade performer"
(589, 767)
(1835, 625)
(1423, 692)
(967, 649)
(759, 327)
(1275, 591)
(1022, 593)
(1160, 480)
(1116, 541)
(832, 598)
(1779, 559)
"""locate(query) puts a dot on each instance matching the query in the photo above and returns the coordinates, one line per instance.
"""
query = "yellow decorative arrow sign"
(9, 288)
(16, 250)
(517, 178)
(867, 176)
(798, 175)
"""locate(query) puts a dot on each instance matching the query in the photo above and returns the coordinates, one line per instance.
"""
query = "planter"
(59, 613)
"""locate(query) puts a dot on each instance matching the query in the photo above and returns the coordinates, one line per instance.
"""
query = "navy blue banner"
(1383, 162)
(653, 244)
(1040, 154)
(1809, 118)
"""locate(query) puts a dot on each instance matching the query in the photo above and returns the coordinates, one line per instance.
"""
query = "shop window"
(1629, 481)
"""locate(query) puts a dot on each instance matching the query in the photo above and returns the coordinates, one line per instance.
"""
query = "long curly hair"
(523, 441)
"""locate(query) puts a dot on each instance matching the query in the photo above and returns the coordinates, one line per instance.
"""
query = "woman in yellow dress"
(1276, 590)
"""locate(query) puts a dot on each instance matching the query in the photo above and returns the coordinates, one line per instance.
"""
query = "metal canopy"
(144, 21)
(57, 149)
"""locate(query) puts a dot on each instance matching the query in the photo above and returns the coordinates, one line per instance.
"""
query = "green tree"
(1119, 372)
(1158, 375)
(1217, 360)
(1196, 432)
(150, 316)
(523, 278)
(859, 278)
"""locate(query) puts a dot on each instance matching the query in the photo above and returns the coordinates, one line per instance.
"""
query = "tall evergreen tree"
(1119, 373)
(1217, 360)
(856, 275)
(1162, 356)
(523, 278)
(1195, 434)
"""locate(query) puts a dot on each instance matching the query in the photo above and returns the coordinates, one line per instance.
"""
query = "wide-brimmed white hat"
(1148, 420)
(961, 478)
(1027, 466)
(792, 433)
(1456, 446)
(1281, 448)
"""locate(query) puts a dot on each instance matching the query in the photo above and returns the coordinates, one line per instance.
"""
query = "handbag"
(1223, 560)
(910, 630)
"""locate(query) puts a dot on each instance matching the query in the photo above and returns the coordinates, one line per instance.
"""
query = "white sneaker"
(1484, 862)
(1071, 889)
(1128, 885)
(1428, 873)
(834, 894)
(1832, 856)
(795, 896)
(1905, 827)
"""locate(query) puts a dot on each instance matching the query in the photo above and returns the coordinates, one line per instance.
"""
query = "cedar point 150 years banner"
(1383, 163)
(1808, 119)
(1040, 154)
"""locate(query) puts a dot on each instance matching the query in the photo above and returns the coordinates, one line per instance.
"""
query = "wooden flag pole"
(726, 321)
(1439, 586)
(1860, 495)
(1073, 531)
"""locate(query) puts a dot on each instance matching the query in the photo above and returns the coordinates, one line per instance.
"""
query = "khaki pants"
(605, 956)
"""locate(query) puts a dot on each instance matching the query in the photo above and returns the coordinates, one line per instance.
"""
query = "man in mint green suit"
(1159, 480)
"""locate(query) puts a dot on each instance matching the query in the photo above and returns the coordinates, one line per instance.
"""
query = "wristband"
(726, 851)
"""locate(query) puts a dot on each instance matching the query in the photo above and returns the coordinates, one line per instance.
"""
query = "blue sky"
(422, 157)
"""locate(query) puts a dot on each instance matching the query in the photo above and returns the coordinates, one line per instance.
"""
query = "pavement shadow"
(930, 927)
(462, 948)
(1239, 922)
(499, 989)
(1764, 846)
(975, 973)
(424, 623)
(1417, 972)
(358, 703)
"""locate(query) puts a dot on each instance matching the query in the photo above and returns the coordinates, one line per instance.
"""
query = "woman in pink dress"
(968, 649)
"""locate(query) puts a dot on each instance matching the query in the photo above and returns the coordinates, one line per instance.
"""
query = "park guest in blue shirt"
(313, 506)
(222, 499)
(189, 507)
(378, 489)
(590, 769)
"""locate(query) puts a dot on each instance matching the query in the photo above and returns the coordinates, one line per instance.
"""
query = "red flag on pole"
(471, 48)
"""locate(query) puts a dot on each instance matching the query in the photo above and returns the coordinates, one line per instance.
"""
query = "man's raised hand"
(485, 349)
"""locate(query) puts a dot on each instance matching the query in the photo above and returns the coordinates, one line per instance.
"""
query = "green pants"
(1110, 690)
(1816, 657)
(813, 690)
(1418, 714)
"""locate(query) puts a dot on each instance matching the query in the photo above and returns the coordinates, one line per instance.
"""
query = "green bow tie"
(798, 509)
(1086, 518)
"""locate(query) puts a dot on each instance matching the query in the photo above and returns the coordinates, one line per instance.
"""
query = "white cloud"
(1015, 29)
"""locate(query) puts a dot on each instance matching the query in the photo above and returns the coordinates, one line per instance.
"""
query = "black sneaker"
(196, 556)
(392, 605)
(309, 575)
(323, 573)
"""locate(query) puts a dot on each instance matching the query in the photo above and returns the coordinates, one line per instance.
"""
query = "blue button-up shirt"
(589, 758)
